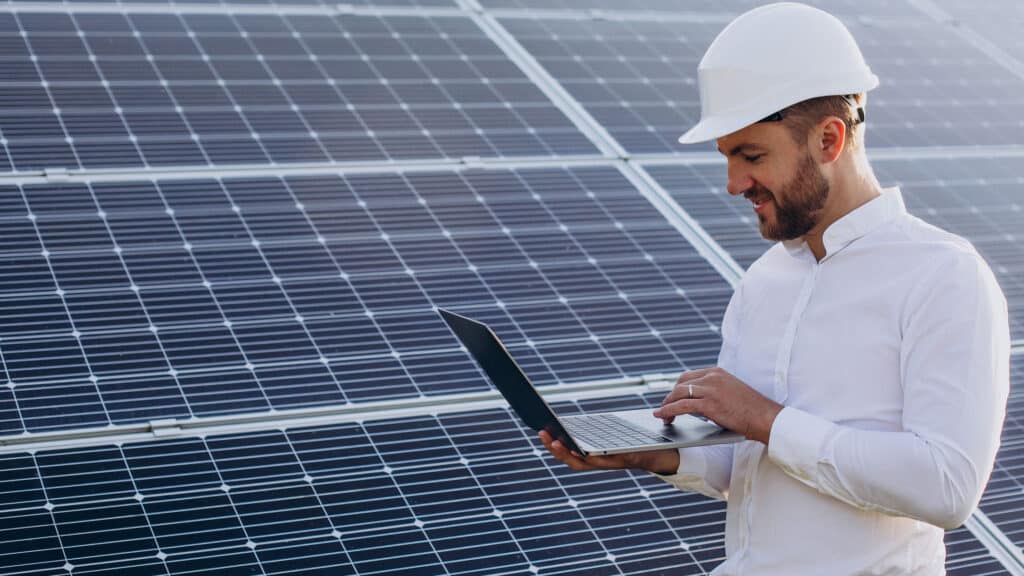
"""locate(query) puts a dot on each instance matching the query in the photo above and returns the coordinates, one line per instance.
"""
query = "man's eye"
(752, 158)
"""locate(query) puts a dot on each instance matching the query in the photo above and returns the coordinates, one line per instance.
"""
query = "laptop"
(595, 433)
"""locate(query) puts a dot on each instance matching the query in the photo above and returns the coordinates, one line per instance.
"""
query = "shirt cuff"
(797, 443)
(693, 467)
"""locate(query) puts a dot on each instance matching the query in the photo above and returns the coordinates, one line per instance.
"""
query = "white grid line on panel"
(49, 510)
(138, 298)
(208, 285)
(76, 335)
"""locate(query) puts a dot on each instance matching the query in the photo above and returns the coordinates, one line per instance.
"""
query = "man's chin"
(766, 229)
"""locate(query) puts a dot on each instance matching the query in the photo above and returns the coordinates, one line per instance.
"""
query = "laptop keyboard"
(609, 431)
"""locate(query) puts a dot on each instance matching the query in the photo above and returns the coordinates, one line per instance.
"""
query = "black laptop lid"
(503, 371)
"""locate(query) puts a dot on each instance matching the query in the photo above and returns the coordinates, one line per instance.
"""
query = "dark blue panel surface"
(189, 298)
(151, 90)
(462, 493)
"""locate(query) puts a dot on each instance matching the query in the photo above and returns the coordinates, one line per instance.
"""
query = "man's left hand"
(723, 398)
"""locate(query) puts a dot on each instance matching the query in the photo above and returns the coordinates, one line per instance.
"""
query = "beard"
(805, 197)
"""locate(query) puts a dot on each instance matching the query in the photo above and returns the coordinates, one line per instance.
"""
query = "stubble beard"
(805, 197)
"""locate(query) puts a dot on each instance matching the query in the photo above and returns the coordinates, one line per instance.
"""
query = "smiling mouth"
(759, 200)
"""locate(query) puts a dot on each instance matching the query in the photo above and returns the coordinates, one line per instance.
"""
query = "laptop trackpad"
(684, 427)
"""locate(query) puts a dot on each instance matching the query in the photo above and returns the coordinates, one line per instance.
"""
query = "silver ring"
(689, 388)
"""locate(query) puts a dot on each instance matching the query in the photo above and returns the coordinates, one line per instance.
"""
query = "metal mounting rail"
(996, 542)
(322, 415)
(299, 169)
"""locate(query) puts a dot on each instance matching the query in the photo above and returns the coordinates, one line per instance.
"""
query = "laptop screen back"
(495, 361)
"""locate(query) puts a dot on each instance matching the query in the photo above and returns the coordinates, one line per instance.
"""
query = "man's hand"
(657, 461)
(723, 398)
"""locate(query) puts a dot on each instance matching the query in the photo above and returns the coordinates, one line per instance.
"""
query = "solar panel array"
(214, 211)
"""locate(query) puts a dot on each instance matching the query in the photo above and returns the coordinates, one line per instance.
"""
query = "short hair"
(802, 116)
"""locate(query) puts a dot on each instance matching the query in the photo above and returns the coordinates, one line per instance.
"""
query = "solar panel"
(99, 90)
(463, 493)
(977, 198)
(253, 281)
(154, 299)
(638, 79)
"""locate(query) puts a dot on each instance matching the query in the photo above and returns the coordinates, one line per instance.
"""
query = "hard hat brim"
(713, 128)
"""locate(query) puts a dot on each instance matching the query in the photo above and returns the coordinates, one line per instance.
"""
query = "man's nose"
(739, 181)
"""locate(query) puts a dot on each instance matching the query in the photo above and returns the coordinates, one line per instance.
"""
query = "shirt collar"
(857, 223)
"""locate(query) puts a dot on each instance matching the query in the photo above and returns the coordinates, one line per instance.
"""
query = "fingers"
(687, 389)
(679, 407)
(576, 461)
(563, 454)
(693, 375)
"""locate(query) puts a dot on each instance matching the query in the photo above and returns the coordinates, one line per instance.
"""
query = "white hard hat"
(773, 57)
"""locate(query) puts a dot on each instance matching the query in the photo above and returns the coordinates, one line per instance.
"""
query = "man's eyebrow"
(747, 146)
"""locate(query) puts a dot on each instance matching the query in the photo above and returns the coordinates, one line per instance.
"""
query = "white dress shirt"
(891, 357)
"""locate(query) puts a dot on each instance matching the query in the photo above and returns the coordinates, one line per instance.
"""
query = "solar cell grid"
(394, 497)
(251, 295)
(464, 493)
(133, 90)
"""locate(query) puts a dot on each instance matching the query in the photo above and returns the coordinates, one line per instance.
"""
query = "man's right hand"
(657, 461)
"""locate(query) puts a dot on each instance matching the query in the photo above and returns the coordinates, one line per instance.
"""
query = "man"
(865, 357)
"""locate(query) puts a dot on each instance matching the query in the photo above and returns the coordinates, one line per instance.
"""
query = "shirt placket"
(785, 355)
(780, 391)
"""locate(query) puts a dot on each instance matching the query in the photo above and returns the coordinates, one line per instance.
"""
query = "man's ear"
(828, 139)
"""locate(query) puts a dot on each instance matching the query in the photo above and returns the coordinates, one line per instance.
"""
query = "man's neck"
(850, 188)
